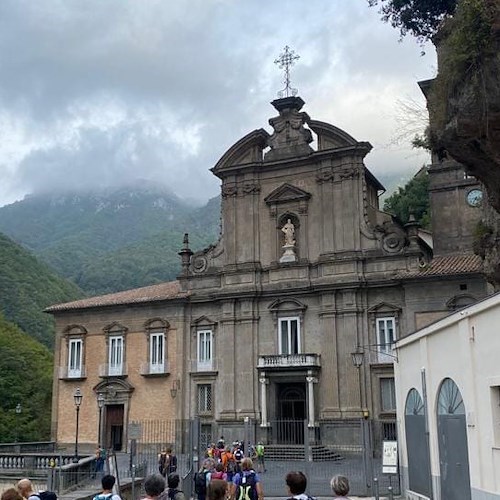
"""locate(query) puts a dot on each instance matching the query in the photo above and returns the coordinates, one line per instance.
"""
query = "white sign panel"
(390, 457)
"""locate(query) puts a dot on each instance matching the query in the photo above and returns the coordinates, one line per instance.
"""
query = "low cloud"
(101, 93)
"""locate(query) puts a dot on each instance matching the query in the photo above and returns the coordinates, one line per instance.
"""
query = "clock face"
(475, 197)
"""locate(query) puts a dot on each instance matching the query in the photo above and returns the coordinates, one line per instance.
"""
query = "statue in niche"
(289, 231)
(289, 247)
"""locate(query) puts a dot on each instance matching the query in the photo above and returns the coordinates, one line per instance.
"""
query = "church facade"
(261, 327)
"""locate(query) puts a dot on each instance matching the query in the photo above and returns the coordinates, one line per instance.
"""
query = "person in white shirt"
(108, 482)
(25, 487)
(296, 482)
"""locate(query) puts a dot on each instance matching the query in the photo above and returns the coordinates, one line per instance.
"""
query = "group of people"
(211, 482)
(24, 490)
(242, 484)
(231, 456)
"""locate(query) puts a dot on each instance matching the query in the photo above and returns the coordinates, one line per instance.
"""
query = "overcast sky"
(102, 92)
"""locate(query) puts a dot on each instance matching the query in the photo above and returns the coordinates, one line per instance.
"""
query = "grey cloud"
(111, 91)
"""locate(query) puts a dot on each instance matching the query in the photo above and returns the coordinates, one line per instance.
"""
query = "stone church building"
(260, 327)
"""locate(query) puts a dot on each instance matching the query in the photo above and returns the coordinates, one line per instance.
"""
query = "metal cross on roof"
(287, 59)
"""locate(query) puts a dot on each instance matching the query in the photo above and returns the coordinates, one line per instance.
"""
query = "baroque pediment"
(248, 150)
(384, 308)
(285, 194)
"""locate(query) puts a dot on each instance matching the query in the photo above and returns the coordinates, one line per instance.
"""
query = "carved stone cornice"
(337, 175)
(240, 189)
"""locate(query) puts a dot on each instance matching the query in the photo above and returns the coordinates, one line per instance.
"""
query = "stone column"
(310, 399)
(263, 400)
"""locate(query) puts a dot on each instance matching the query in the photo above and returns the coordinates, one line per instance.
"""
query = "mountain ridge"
(111, 240)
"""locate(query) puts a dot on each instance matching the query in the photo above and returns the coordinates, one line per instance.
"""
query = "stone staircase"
(320, 453)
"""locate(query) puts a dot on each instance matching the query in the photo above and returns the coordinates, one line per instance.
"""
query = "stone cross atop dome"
(290, 138)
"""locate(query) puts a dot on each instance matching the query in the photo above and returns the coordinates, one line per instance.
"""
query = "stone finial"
(185, 254)
(290, 137)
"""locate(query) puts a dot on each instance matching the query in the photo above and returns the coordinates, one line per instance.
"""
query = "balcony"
(106, 370)
(381, 354)
(203, 366)
(288, 361)
(66, 373)
(155, 369)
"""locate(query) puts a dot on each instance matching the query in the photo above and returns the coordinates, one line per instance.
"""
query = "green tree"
(27, 287)
(413, 198)
(25, 378)
(421, 18)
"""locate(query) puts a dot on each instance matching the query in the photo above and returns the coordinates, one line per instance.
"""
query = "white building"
(448, 400)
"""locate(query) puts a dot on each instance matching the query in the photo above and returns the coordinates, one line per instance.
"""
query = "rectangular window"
(75, 358)
(205, 350)
(115, 356)
(289, 336)
(204, 398)
(387, 394)
(386, 334)
(157, 353)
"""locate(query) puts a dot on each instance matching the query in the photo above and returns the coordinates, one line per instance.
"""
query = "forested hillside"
(110, 241)
(27, 287)
(25, 379)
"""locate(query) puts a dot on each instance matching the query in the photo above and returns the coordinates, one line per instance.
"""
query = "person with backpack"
(172, 492)
(229, 464)
(201, 478)
(25, 487)
(107, 483)
(246, 484)
(238, 455)
(297, 483)
(218, 473)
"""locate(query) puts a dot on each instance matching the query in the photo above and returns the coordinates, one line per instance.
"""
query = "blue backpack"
(247, 489)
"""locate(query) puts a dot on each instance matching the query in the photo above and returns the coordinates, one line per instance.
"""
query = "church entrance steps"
(298, 452)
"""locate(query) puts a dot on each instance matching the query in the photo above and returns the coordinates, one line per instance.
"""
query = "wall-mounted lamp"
(176, 385)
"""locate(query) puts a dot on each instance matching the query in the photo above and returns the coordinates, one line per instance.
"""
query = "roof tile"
(162, 291)
(446, 265)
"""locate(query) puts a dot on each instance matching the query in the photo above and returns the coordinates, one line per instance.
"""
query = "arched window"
(414, 403)
(450, 400)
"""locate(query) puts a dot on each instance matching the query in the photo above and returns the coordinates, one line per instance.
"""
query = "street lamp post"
(100, 404)
(357, 361)
(77, 396)
(19, 410)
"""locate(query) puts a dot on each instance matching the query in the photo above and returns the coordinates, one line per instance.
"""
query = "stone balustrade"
(277, 361)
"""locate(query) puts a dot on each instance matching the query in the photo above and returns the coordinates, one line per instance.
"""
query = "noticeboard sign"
(134, 430)
(390, 457)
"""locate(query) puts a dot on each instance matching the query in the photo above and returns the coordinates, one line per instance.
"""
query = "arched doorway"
(452, 439)
(417, 445)
(291, 413)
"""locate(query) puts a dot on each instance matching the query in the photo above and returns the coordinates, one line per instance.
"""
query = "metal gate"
(452, 439)
(417, 445)
(338, 446)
